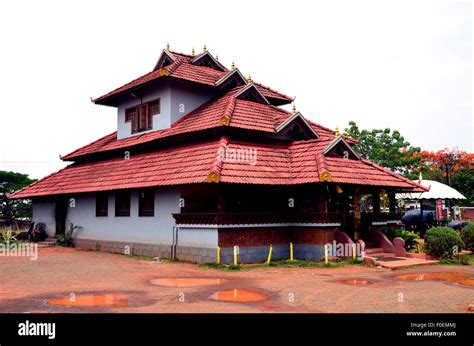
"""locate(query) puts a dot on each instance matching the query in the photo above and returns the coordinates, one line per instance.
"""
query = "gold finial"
(168, 46)
(217, 57)
(204, 48)
(232, 67)
(192, 52)
(293, 108)
(337, 131)
(249, 79)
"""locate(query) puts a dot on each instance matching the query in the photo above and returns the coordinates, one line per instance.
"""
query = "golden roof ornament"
(217, 57)
(325, 176)
(249, 79)
(232, 67)
(204, 48)
(192, 52)
(168, 46)
(337, 131)
(293, 108)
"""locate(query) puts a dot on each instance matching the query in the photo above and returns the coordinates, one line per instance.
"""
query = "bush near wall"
(467, 236)
(443, 242)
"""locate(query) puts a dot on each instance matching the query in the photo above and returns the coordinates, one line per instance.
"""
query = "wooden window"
(142, 117)
(101, 204)
(146, 202)
(153, 109)
(131, 116)
(122, 203)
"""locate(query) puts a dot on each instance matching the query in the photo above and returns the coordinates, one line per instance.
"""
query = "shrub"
(7, 235)
(467, 236)
(410, 238)
(443, 242)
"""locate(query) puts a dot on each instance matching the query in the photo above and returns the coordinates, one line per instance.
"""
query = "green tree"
(385, 147)
(463, 181)
(12, 208)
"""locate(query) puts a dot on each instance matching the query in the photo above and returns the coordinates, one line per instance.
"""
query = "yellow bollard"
(291, 252)
(353, 251)
(326, 258)
(269, 254)
(218, 255)
(235, 255)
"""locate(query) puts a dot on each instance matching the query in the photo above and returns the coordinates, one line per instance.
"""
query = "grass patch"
(336, 263)
(465, 260)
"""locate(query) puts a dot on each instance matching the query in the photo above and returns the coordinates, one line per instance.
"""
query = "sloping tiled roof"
(182, 68)
(244, 163)
(239, 113)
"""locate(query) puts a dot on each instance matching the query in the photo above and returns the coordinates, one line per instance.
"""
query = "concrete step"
(382, 255)
(46, 243)
(373, 250)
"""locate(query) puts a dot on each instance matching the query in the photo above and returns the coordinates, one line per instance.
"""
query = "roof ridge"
(271, 89)
(214, 175)
(229, 110)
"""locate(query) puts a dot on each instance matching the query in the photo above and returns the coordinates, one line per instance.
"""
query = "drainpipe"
(175, 242)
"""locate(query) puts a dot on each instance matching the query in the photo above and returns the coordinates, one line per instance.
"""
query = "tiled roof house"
(204, 158)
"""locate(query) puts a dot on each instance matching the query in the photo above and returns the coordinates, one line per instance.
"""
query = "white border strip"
(259, 225)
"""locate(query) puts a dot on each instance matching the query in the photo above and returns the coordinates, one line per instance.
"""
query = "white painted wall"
(198, 237)
(176, 100)
(44, 211)
(152, 230)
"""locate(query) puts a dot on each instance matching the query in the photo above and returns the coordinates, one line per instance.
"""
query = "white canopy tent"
(437, 191)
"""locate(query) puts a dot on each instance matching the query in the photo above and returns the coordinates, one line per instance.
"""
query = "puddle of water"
(187, 282)
(460, 278)
(357, 282)
(92, 300)
(239, 295)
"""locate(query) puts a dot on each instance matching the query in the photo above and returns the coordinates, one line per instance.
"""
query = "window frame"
(137, 119)
(150, 210)
(119, 203)
(102, 210)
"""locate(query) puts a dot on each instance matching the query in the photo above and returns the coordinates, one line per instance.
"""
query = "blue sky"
(406, 65)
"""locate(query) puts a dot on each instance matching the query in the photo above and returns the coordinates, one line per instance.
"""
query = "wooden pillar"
(356, 214)
(392, 202)
(321, 201)
(376, 201)
(220, 201)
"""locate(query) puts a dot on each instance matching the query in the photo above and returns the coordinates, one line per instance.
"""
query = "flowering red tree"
(449, 166)
(443, 164)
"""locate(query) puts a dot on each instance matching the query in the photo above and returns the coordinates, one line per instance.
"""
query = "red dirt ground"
(28, 286)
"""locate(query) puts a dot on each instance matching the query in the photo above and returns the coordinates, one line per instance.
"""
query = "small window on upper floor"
(141, 116)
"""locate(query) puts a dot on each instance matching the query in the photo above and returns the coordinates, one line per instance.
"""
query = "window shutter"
(143, 111)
